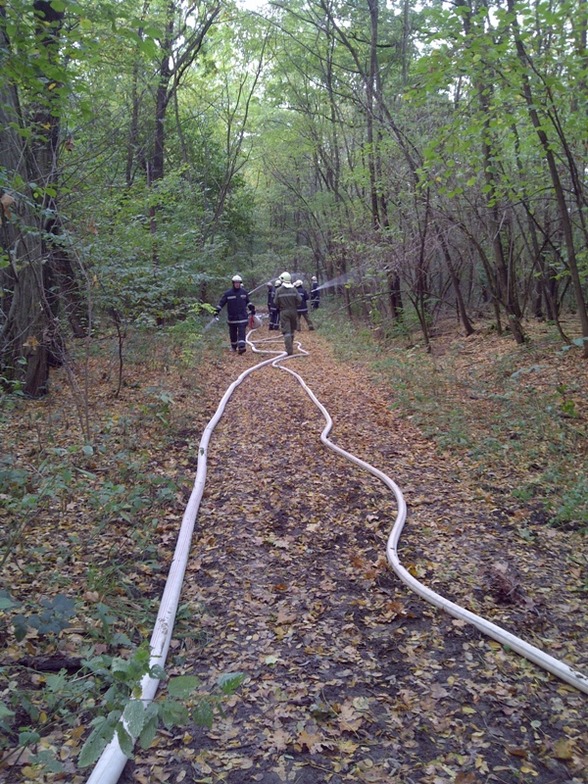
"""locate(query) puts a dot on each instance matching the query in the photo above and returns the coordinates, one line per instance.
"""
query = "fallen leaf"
(563, 749)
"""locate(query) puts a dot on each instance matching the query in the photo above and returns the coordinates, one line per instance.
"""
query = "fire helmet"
(298, 283)
(285, 277)
(237, 279)
(314, 280)
(278, 283)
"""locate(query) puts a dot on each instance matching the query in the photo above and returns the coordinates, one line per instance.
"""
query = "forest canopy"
(432, 157)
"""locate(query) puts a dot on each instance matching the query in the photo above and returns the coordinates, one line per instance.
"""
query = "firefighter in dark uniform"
(287, 300)
(303, 307)
(274, 315)
(315, 295)
(238, 309)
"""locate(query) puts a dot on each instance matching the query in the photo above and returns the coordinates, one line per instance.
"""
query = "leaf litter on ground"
(349, 677)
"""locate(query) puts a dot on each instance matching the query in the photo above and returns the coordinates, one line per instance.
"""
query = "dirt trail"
(351, 678)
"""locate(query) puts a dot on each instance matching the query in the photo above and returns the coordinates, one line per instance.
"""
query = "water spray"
(261, 285)
(338, 281)
(295, 276)
(211, 323)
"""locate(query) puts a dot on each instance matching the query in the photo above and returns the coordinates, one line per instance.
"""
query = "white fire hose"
(112, 761)
(544, 660)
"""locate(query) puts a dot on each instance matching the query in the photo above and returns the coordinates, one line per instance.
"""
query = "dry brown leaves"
(350, 677)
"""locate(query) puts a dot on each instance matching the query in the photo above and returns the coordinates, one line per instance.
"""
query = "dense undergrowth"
(518, 414)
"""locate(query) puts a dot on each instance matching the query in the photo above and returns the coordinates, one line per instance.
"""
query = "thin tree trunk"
(505, 281)
(29, 339)
(395, 295)
(560, 198)
(461, 308)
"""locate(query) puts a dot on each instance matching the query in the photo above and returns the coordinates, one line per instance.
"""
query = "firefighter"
(238, 309)
(302, 309)
(274, 316)
(315, 295)
(287, 300)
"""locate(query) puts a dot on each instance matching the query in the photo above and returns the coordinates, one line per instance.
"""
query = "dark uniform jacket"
(303, 305)
(315, 294)
(236, 301)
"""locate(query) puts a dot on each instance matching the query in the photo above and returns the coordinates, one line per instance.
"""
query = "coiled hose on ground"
(112, 761)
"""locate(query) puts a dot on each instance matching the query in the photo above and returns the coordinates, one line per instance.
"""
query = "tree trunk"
(461, 308)
(395, 296)
(560, 198)
(29, 340)
(505, 280)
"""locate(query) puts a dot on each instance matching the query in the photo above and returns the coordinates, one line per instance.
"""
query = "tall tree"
(547, 146)
(184, 29)
(30, 123)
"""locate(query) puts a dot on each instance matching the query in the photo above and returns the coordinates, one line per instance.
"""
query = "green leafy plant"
(573, 507)
(110, 685)
(54, 616)
(567, 406)
(524, 493)
(115, 501)
(5, 715)
(127, 716)
(108, 622)
(188, 332)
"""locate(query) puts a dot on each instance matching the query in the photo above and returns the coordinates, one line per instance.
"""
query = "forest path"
(349, 676)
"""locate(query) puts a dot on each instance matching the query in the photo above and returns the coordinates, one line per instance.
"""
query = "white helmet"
(313, 278)
(298, 283)
(285, 277)
(237, 279)
(278, 283)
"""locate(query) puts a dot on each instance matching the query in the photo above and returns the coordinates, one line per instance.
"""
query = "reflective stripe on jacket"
(287, 298)
(303, 306)
(236, 301)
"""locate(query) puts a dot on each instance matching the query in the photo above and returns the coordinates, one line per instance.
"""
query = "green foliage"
(188, 333)
(6, 601)
(61, 474)
(525, 492)
(26, 490)
(54, 616)
(145, 295)
(229, 682)
(573, 507)
(13, 386)
(113, 501)
(567, 405)
(112, 611)
(5, 715)
(163, 406)
(109, 621)
(526, 426)
(113, 684)
(131, 719)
